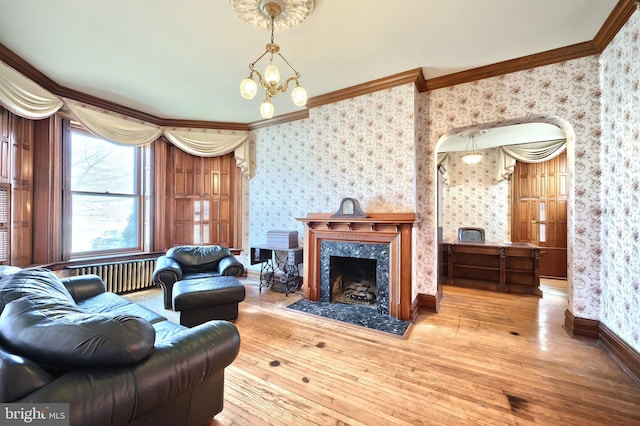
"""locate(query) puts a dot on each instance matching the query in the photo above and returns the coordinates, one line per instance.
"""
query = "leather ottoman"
(203, 299)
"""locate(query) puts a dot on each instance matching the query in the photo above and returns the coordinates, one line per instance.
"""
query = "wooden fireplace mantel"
(394, 229)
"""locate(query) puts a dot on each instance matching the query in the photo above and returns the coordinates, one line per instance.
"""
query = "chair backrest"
(470, 234)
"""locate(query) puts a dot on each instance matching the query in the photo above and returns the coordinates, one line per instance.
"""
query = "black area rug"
(361, 315)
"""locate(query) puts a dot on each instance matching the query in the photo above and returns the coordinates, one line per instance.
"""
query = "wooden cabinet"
(506, 267)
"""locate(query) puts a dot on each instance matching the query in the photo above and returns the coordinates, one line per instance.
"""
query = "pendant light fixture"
(472, 154)
(275, 12)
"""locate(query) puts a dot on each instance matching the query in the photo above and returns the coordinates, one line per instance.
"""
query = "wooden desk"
(506, 267)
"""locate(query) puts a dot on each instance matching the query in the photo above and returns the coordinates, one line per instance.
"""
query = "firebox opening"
(353, 280)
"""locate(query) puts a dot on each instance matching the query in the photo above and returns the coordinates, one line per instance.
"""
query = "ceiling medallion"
(255, 12)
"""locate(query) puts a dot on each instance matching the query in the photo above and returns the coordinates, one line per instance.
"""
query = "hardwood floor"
(485, 359)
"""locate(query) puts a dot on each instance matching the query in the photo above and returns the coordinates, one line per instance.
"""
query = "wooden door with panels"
(539, 211)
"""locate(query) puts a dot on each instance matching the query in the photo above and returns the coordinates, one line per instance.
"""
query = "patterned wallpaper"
(380, 149)
(567, 92)
(621, 183)
(361, 148)
(472, 197)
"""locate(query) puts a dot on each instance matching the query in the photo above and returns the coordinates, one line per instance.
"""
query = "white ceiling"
(185, 59)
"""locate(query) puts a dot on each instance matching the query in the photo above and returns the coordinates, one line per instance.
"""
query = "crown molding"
(616, 20)
(281, 119)
(25, 68)
(202, 124)
(513, 65)
(406, 77)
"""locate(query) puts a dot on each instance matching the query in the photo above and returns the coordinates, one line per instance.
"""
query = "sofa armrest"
(230, 266)
(180, 362)
(167, 271)
(20, 376)
(83, 287)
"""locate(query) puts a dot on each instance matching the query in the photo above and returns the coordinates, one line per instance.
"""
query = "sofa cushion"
(40, 321)
(8, 270)
(33, 283)
(198, 258)
(19, 376)
(110, 303)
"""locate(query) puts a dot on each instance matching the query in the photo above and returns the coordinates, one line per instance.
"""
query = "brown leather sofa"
(190, 262)
(113, 361)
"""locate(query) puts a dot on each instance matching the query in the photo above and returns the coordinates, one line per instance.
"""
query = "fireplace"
(355, 273)
(352, 281)
(380, 243)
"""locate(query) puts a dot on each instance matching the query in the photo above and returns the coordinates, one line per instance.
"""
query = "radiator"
(121, 277)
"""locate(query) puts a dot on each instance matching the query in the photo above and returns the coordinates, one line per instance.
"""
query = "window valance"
(537, 152)
(203, 143)
(113, 127)
(25, 98)
(443, 166)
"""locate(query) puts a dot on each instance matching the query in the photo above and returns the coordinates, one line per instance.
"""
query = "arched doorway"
(564, 129)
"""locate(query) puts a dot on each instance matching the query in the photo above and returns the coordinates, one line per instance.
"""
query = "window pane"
(205, 216)
(196, 233)
(543, 233)
(100, 166)
(205, 234)
(102, 222)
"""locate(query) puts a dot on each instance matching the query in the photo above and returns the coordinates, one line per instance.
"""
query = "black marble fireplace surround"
(375, 316)
(358, 250)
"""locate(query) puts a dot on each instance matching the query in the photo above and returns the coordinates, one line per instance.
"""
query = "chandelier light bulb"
(299, 96)
(266, 109)
(272, 74)
(248, 88)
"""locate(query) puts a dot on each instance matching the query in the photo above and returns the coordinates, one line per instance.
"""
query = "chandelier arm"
(261, 80)
(252, 64)
(285, 86)
(292, 68)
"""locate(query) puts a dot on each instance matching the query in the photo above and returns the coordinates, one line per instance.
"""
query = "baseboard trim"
(627, 358)
(624, 355)
(580, 328)
(428, 302)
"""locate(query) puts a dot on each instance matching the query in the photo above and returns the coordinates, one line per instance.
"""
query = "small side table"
(273, 260)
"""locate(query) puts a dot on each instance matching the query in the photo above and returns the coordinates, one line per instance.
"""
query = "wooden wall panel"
(47, 194)
(21, 135)
(197, 181)
(535, 185)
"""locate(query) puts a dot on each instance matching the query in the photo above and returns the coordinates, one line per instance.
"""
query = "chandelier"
(281, 14)
(472, 155)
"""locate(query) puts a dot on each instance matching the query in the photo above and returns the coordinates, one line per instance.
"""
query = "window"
(107, 202)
